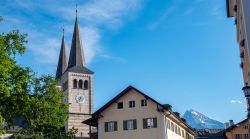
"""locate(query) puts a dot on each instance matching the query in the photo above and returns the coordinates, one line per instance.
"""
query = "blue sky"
(179, 52)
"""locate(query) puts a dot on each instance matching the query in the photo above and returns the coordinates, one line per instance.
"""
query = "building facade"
(134, 115)
(240, 10)
(76, 82)
(239, 131)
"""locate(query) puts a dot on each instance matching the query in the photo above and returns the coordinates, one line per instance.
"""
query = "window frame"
(144, 102)
(86, 85)
(80, 84)
(149, 123)
(131, 104)
(75, 83)
(130, 124)
(110, 126)
(119, 104)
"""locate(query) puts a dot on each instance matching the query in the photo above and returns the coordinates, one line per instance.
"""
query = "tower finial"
(63, 30)
(76, 9)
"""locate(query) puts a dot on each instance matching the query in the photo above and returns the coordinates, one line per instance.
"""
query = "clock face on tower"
(80, 99)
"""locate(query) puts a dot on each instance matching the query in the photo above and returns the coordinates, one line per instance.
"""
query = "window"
(86, 84)
(183, 134)
(149, 123)
(143, 102)
(120, 105)
(172, 126)
(110, 126)
(131, 104)
(130, 124)
(246, 136)
(168, 124)
(80, 84)
(74, 83)
(237, 136)
(175, 128)
(179, 131)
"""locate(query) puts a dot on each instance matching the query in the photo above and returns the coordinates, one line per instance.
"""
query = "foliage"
(36, 100)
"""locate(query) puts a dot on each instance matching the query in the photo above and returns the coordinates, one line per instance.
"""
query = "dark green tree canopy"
(35, 100)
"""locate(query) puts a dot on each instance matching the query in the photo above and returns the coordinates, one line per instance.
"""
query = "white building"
(134, 115)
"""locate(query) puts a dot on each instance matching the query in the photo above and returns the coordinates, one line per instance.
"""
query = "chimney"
(177, 114)
(183, 119)
(231, 122)
(227, 125)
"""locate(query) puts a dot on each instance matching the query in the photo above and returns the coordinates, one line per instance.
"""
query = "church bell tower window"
(80, 84)
(74, 83)
(86, 84)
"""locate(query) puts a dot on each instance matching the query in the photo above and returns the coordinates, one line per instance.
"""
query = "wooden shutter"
(106, 126)
(144, 123)
(155, 122)
(125, 125)
(115, 128)
(135, 124)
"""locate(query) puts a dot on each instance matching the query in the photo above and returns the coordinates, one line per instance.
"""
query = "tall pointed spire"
(62, 61)
(76, 58)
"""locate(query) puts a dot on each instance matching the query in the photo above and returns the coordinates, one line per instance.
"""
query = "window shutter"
(144, 123)
(155, 122)
(106, 126)
(115, 126)
(135, 124)
(125, 125)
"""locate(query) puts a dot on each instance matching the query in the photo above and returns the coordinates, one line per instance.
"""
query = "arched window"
(86, 84)
(74, 83)
(80, 84)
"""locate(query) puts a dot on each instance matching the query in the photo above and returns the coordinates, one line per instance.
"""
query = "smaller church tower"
(76, 81)
(62, 62)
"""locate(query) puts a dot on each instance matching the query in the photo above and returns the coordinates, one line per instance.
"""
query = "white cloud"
(98, 15)
(162, 18)
(103, 12)
(91, 42)
(41, 20)
(47, 51)
(236, 102)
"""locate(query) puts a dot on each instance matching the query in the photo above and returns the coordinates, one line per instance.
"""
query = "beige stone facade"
(78, 112)
(240, 9)
(165, 124)
(239, 131)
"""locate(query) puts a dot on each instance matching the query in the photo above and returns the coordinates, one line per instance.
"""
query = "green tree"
(35, 100)
(14, 80)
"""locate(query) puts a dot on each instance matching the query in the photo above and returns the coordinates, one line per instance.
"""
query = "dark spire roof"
(76, 58)
(62, 61)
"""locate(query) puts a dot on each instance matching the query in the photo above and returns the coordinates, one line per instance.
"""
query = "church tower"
(76, 82)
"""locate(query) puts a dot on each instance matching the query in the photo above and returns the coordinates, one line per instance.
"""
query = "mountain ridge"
(198, 120)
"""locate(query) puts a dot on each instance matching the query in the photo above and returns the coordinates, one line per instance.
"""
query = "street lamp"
(246, 91)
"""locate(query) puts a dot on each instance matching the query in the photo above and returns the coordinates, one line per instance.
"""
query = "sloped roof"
(125, 91)
(165, 107)
(62, 61)
(76, 57)
(236, 125)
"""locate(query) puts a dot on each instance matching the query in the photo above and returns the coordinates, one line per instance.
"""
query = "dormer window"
(86, 84)
(74, 83)
(80, 84)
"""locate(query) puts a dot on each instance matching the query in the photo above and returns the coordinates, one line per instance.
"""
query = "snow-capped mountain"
(200, 121)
